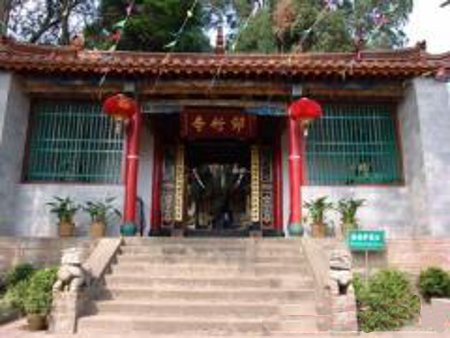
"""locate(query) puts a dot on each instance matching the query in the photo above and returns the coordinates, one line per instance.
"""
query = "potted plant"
(317, 209)
(38, 298)
(100, 212)
(347, 208)
(65, 209)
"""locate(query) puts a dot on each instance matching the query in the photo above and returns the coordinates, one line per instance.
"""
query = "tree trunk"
(4, 16)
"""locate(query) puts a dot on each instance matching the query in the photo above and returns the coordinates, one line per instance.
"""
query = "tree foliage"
(48, 21)
(310, 25)
(265, 26)
(153, 25)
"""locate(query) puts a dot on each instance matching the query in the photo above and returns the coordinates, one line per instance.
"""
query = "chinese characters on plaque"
(197, 124)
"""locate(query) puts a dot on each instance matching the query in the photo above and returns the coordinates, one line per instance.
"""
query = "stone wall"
(14, 107)
(409, 255)
(433, 114)
(39, 251)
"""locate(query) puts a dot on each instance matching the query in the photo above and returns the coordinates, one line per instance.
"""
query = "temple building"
(208, 150)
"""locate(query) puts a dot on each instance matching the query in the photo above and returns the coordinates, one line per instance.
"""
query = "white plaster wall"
(413, 161)
(145, 181)
(32, 216)
(433, 112)
(386, 208)
(14, 108)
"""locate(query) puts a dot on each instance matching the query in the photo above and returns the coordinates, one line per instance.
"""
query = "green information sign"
(366, 240)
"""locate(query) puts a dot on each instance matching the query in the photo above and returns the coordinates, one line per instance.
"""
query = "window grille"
(73, 142)
(353, 144)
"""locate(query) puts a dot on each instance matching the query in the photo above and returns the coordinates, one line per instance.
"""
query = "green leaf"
(120, 24)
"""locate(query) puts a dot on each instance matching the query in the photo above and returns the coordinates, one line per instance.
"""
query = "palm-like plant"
(348, 207)
(64, 208)
(101, 211)
(317, 209)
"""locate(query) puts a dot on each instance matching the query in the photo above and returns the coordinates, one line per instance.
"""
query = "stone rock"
(340, 260)
(71, 275)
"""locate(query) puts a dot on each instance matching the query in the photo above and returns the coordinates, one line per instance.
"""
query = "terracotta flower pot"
(318, 230)
(98, 229)
(37, 322)
(66, 229)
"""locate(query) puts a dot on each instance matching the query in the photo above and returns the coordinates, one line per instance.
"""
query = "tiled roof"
(402, 63)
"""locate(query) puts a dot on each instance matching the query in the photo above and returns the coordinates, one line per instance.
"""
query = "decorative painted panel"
(255, 183)
(168, 186)
(179, 183)
(266, 170)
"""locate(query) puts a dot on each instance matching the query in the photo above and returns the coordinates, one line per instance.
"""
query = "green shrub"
(17, 274)
(386, 302)
(38, 296)
(15, 296)
(434, 282)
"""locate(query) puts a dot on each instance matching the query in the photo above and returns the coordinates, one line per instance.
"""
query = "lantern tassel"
(118, 127)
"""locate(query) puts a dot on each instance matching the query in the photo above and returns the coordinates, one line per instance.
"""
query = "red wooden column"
(295, 174)
(132, 168)
(300, 113)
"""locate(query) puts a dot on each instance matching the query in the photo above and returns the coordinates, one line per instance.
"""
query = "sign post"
(366, 241)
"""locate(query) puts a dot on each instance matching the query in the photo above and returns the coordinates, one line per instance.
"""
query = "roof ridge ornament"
(220, 41)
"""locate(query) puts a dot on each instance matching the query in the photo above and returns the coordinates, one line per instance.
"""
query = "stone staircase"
(207, 287)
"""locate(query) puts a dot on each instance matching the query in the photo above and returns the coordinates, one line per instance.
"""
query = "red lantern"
(305, 109)
(120, 107)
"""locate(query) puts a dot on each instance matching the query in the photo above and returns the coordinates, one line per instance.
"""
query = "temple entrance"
(217, 173)
(218, 186)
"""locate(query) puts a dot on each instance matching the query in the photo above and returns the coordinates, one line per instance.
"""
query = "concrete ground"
(18, 329)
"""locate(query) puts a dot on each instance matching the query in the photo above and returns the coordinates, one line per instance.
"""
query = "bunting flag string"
(116, 36)
(171, 45)
(189, 14)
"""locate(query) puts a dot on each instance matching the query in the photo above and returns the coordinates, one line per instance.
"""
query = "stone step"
(184, 326)
(196, 251)
(225, 309)
(123, 280)
(224, 270)
(229, 242)
(248, 295)
(209, 258)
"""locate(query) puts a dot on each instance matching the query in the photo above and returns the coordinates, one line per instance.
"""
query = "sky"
(430, 22)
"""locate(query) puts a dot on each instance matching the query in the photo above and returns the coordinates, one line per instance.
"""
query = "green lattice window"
(354, 144)
(73, 142)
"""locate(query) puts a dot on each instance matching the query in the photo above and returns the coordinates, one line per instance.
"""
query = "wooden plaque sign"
(217, 123)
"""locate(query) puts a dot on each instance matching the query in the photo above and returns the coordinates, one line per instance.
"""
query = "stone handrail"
(340, 306)
(69, 303)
